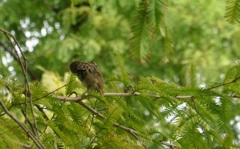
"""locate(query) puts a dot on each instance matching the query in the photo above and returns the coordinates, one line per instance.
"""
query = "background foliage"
(186, 52)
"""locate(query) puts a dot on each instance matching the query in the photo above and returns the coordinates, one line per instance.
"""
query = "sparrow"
(89, 74)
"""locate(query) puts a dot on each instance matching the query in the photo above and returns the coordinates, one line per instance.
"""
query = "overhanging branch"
(101, 116)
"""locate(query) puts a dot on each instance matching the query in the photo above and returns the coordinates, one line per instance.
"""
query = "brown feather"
(89, 74)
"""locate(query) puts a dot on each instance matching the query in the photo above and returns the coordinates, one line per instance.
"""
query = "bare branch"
(122, 94)
(23, 65)
(63, 98)
(71, 99)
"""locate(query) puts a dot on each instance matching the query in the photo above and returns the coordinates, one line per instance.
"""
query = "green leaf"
(125, 77)
(156, 8)
(114, 114)
(232, 14)
(192, 76)
(140, 38)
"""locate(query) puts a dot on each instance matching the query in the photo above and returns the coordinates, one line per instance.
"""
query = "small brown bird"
(89, 74)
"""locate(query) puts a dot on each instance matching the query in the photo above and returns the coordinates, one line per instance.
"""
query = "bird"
(89, 74)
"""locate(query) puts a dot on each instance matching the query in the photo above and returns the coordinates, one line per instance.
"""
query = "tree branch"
(33, 77)
(168, 144)
(93, 111)
(23, 64)
(223, 84)
(72, 99)
(24, 127)
(79, 100)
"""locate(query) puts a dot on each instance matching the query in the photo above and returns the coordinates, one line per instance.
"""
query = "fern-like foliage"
(232, 14)
(72, 84)
(154, 114)
(125, 77)
(8, 138)
(122, 78)
(232, 75)
(115, 112)
(186, 116)
(156, 12)
(192, 75)
(140, 37)
(148, 26)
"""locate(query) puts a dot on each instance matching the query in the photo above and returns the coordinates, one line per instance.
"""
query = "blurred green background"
(53, 33)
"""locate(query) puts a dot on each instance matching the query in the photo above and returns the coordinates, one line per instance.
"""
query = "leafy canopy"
(171, 74)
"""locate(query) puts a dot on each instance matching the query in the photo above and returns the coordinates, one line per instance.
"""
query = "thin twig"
(138, 94)
(63, 98)
(60, 97)
(24, 69)
(33, 77)
(233, 96)
(53, 91)
(223, 84)
(24, 145)
(71, 99)
(42, 111)
(131, 131)
(124, 94)
(24, 127)
(168, 144)
(92, 119)
(79, 100)
(98, 114)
